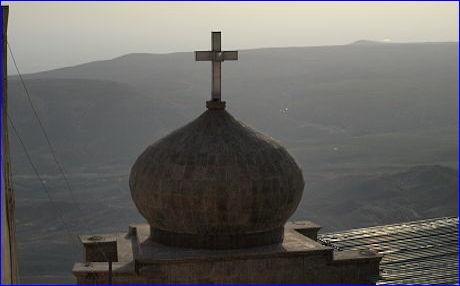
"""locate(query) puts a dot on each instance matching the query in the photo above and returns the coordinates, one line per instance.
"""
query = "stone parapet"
(298, 259)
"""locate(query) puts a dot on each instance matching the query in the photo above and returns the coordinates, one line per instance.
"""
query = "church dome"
(216, 183)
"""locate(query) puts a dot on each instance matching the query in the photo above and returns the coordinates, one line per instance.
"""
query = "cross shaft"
(216, 56)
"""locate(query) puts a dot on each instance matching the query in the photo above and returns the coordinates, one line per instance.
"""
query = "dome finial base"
(215, 104)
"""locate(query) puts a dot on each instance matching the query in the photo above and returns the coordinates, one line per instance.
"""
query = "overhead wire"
(40, 179)
(45, 134)
(52, 151)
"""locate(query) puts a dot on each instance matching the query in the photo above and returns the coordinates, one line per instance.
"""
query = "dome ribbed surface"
(216, 183)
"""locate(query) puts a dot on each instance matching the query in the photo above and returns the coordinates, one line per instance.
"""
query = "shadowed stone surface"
(216, 183)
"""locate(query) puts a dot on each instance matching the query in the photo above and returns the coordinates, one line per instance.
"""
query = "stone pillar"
(9, 262)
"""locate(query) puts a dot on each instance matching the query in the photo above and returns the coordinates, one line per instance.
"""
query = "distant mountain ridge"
(369, 42)
(143, 54)
(293, 94)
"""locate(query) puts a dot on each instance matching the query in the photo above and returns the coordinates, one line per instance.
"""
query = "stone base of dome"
(299, 259)
(215, 104)
(223, 241)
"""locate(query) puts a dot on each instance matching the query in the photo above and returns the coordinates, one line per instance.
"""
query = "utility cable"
(40, 179)
(50, 145)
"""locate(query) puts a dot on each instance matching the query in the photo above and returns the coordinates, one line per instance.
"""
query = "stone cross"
(216, 56)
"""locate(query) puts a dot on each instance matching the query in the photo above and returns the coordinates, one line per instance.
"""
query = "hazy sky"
(49, 35)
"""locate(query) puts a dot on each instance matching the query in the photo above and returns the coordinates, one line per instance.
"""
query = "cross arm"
(230, 56)
(216, 56)
(203, 56)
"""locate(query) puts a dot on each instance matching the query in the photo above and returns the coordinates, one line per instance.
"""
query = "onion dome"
(216, 183)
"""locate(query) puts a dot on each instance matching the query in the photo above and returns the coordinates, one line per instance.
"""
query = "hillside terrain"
(374, 127)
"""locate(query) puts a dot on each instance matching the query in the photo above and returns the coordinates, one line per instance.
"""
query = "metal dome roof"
(216, 183)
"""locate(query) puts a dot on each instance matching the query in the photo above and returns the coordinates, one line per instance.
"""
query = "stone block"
(100, 247)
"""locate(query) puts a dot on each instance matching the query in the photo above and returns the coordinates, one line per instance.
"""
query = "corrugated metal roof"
(417, 252)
